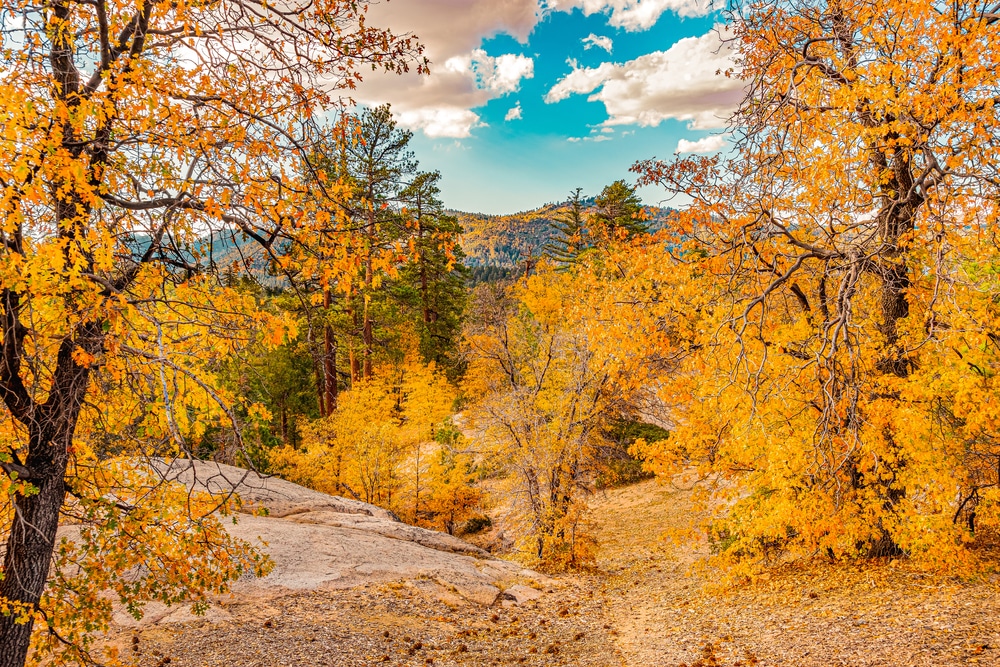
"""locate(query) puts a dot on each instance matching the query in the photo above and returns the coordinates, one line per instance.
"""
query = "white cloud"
(635, 15)
(438, 122)
(503, 74)
(595, 138)
(600, 42)
(497, 76)
(580, 80)
(704, 145)
(463, 77)
(441, 104)
(452, 27)
(683, 83)
(514, 113)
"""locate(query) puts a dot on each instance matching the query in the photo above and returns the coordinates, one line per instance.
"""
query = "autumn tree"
(379, 446)
(452, 496)
(130, 131)
(831, 283)
(545, 391)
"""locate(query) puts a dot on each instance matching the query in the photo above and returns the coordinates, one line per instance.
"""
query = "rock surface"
(318, 542)
(520, 594)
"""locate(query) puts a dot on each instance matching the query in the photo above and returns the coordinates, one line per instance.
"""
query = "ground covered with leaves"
(395, 624)
(667, 611)
(647, 604)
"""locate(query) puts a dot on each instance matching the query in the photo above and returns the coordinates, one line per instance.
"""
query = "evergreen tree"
(379, 162)
(618, 207)
(434, 281)
(569, 229)
(396, 210)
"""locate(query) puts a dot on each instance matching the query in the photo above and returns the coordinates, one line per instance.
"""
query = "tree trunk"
(329, 360)
(416, 488)
(424, 291)
(318, 373)
(284, 422)
(366, 331)
(894, 307)
(355, 365)
(31, 541)
(50, 425)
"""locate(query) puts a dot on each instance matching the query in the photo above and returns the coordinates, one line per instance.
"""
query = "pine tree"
(569, 230)
(434, 281)
(619, 208)
(379, 162)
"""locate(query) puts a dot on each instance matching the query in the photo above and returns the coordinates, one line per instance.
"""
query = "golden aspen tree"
(140, 138)
(831, 287)
(378, 445)
(452, 496)
(546, 389)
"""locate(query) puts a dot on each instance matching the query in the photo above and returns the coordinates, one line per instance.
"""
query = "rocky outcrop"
(284, 500)
(319, 542)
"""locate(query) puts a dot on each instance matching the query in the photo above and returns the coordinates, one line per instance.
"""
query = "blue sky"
(529, 99)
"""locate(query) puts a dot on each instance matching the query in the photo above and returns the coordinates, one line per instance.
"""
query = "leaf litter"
(645, 604)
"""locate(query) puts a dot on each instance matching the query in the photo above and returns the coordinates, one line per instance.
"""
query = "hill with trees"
(494, 244)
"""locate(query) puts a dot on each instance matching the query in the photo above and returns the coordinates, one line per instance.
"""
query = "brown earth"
(818, 614)
(383, 624)
(353, 586)
(643, 606)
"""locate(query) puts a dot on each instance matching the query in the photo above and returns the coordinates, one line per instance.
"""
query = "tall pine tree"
(569, 229)
(433, 282)
(619, 210)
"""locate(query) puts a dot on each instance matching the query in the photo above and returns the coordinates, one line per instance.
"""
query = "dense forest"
(197, 264)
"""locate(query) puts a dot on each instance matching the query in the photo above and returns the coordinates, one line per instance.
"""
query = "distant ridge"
(506, 242)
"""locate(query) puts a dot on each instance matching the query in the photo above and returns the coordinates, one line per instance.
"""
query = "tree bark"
(31, 542)
(366, 331)
(355, 365)
(329, 360)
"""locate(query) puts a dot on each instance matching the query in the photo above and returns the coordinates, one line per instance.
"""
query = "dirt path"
(820, 615)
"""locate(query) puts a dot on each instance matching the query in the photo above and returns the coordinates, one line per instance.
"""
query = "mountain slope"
(507, 241)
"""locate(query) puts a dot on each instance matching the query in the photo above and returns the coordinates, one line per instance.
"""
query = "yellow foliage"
(140, 151)
(544, 390)
(829, 296)
(379, 447)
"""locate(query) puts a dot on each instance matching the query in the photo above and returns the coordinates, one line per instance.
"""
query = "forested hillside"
(506, 242)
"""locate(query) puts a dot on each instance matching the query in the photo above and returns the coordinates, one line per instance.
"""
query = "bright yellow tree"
(379, 444)
(831, 289)
(140, 139)
(544, 390)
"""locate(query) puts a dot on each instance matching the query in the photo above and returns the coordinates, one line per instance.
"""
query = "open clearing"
(642, 607)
